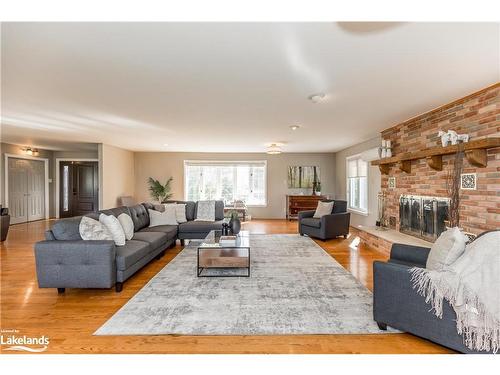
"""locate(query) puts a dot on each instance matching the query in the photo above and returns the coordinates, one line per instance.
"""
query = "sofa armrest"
(415, 255)
(75, 264)
(304, 214)
(336, 224)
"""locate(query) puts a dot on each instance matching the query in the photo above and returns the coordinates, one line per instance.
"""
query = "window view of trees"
(226, 181)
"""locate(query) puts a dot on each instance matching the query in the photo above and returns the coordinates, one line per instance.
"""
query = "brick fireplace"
(478, 115)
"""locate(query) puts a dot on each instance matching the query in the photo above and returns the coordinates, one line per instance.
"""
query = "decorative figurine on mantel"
(385, 150)
(452, 137)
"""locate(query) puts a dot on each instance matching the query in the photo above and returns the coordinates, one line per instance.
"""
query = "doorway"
(27, 190)
(78, 188)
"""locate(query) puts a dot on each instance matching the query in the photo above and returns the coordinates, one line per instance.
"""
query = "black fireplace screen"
(422, 217)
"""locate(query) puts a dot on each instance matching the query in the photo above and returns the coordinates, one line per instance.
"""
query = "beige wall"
(374, 179)
(161, 165)
(116, 175)
(7, 148)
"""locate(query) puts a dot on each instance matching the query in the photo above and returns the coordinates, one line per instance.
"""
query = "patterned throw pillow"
(162, 218)
(92, 230)
(180, 211)
(205, 211)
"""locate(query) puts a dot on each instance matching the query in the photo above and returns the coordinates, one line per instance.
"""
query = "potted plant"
(160, 192)
(234, 222)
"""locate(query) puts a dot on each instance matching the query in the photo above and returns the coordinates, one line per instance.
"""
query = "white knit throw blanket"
(472, 287)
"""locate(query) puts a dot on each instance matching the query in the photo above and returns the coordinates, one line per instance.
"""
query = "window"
(357, 184)
(229, 181)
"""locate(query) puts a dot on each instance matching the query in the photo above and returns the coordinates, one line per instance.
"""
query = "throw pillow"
(205, 211)
(92, 230)
(324, 208)
(127, 225)
(114, 227)
(448, 248)
(180, 211)
(162, 218)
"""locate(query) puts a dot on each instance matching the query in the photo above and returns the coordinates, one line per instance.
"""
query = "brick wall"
(478, 115)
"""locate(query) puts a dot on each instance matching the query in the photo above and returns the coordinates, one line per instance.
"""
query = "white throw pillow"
(447, 249)
(127, 225)
(114, 227)
(162, 218)
(324, 208)
(205, 211)
(180, 211)
(92, 230)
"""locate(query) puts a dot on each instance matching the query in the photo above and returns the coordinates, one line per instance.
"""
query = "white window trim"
(208, 162)
(350, 209)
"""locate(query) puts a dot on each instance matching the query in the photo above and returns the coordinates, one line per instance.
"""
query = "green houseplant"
(160, 192)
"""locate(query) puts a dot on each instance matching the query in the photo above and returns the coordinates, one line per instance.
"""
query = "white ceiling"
(233, 87)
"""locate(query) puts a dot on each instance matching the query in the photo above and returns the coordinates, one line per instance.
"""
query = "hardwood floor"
(70, 319)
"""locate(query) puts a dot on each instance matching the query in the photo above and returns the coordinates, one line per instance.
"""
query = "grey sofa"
(397, 304)
(64, 260)
(328, 226)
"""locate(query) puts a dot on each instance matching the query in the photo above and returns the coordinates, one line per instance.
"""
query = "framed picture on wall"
(303, 177)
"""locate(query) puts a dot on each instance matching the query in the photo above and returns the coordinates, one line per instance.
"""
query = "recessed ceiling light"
(294, 127)
(317, 98)
(165, 144)
(274, 149)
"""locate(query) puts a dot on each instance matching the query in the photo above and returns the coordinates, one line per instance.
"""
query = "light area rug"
(295, 288)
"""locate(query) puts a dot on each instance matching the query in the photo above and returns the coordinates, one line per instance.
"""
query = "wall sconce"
(31, 151)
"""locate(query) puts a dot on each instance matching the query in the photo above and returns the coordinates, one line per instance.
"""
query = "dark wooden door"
(78, 188)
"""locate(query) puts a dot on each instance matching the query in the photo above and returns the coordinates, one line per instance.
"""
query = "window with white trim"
(229, 181)
(357, 184)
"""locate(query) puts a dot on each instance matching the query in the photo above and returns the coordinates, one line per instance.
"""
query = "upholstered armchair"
(328, 226)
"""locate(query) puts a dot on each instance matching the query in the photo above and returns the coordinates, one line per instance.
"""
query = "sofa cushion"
(114, 228)
(155, 239)
(311, 222)
(200, 226)
(127, 225)
(140, 217)
(324, 208)
(67, 229)
(169, 230)
(131, 253)
(162, 218)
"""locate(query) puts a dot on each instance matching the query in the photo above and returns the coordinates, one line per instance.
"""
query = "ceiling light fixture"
(317, 98)
(274, 149)
(31, 151)
(294, 127)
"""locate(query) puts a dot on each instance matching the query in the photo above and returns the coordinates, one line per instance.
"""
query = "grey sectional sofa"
(64, 260)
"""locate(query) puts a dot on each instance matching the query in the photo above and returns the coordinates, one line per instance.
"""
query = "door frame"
(57, 187)
(46, 169)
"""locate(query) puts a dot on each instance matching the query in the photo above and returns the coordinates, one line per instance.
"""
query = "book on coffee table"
(227, 240)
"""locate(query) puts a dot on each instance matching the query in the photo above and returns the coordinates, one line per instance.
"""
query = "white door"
(26, 190)
(36, 190)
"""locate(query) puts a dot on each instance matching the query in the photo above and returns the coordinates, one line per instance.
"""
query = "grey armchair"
(328, 226)
(398, 305)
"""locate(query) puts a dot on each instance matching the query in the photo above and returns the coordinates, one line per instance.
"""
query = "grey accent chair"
(398, 305)
(328, 226)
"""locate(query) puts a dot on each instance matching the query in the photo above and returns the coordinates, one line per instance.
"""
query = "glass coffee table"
(224, 260)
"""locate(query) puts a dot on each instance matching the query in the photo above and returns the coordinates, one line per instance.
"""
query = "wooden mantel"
(475, 152)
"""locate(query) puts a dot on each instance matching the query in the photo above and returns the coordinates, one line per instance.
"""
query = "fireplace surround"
(423, 216)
